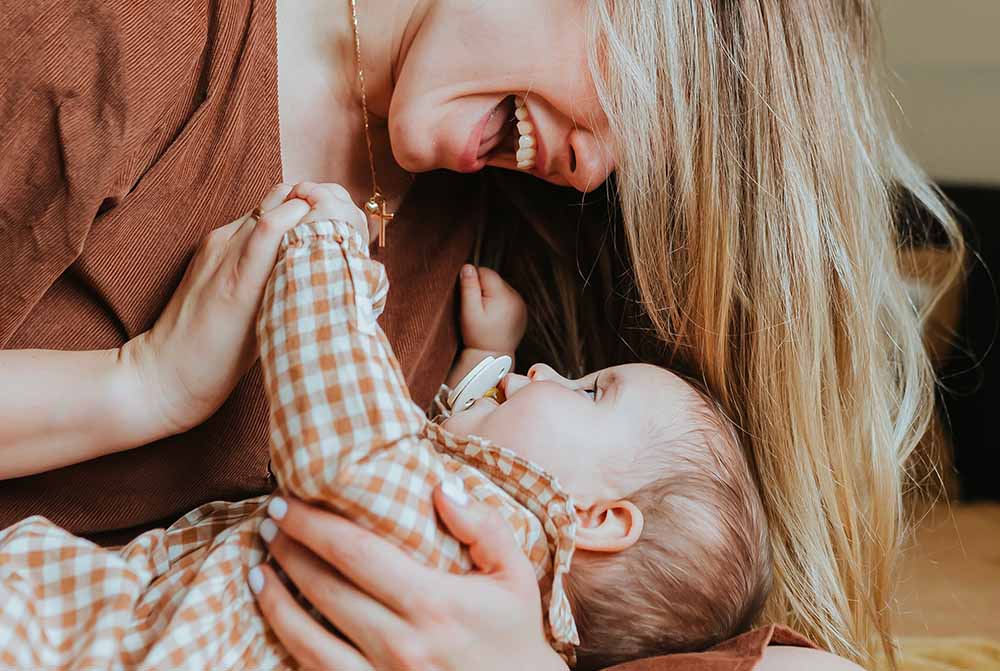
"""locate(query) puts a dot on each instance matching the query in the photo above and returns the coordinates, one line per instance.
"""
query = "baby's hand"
(493, 315)
(332, 201)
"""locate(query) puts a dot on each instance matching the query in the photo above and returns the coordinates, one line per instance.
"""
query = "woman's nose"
(589, 162)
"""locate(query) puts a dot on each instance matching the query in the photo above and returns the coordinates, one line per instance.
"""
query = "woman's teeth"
(526, 151)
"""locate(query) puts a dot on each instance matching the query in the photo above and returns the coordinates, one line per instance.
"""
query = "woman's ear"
(609, 526)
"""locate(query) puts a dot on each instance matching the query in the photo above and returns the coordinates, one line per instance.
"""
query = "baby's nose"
(541, 372)
(512, 383)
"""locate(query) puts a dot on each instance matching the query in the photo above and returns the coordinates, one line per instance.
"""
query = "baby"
(630, 472)
(671, 541)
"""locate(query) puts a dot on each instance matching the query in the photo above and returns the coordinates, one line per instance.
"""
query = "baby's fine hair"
(701, 569)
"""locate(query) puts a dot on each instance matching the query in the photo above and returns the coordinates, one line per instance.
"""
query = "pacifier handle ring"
(484, 376)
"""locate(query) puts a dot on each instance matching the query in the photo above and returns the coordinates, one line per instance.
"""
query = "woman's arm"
(61, 408)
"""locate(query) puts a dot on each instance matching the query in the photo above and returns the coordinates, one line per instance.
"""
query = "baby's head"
(672, 550)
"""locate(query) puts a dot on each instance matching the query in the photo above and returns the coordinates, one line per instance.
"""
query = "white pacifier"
(480, 382)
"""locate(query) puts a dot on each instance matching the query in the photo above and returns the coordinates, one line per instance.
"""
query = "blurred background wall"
(945, 61)
(946, 56)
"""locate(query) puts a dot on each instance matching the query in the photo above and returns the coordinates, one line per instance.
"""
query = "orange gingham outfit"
(344, 434)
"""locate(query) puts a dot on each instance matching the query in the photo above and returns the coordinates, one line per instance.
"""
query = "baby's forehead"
(669, 405)
(658, 384)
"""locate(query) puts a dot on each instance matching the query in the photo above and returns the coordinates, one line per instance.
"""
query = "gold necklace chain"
(375, 206)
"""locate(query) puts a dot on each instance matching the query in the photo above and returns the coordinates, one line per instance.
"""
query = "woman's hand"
(397, 613)
(204, 340)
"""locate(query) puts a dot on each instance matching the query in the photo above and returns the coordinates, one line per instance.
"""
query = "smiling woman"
(756, 180)
(455, 80)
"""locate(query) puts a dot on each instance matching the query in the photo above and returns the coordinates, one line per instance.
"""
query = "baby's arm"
(335, 389)
(493, 319)
(344, 432)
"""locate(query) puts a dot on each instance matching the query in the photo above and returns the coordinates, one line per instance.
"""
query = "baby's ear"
(609, 526)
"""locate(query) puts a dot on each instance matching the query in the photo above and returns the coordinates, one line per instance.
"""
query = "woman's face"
(453, 101)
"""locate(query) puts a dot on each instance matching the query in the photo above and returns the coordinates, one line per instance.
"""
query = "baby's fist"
(332, 201)
(493, 315)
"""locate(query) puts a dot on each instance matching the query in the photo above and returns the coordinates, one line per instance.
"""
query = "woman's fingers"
(372, 563)
(491, 542)
(312, 646)
(261, 247)
(360, 618)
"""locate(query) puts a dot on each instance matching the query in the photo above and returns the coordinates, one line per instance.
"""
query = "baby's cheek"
(523, 430)
(457, 424)
(467, 421)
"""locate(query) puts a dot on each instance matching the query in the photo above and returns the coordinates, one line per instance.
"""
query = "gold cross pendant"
(376, 207)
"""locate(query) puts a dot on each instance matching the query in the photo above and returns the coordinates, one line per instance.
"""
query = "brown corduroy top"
(128, 131)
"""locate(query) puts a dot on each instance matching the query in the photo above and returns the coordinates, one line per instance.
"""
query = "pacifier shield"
(479, 382)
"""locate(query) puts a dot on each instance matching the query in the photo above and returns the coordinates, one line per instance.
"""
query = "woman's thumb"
(490, 539)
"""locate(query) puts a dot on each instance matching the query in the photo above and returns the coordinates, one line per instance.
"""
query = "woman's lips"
(489, 129)
(496, 127)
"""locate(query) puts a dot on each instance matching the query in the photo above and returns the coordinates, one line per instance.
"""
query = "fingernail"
(455, 492)
(268, 530)
(256, 580)
(277, 508)
(468, 271)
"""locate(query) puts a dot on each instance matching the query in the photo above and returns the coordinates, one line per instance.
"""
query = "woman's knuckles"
(272, 222)
(431, 606)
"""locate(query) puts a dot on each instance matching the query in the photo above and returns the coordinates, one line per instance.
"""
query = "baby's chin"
(468, 422)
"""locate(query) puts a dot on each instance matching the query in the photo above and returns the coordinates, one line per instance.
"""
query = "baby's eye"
(592, 390)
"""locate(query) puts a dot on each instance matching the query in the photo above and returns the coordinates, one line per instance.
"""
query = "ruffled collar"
(540, 493)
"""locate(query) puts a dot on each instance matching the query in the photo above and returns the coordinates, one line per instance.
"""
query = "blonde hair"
(701, 569)
(758, 179)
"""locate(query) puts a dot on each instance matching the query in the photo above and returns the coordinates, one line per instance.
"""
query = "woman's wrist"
(138, 397)
(150, 400)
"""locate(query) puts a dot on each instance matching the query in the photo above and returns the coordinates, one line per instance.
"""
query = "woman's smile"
(496, 127)
(505, 137)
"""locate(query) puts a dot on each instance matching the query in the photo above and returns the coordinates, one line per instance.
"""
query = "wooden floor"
(951, 578)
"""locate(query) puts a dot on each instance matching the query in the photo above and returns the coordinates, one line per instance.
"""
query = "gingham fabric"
(344, 434)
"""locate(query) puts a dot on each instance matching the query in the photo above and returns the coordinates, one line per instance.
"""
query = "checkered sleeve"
(344, 432)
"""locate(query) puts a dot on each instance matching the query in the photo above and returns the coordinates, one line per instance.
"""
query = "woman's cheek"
(410, 135)
(409, 155)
